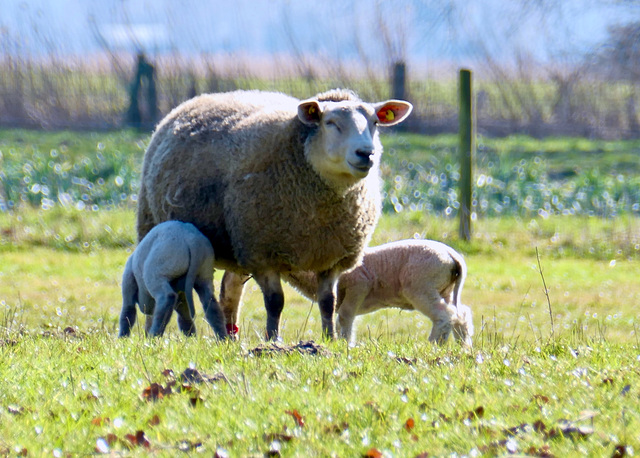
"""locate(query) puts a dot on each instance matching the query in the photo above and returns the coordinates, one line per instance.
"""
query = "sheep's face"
(347, 146)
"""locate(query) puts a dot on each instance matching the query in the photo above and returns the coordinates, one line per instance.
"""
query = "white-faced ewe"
(421, 275)
(174, 257)
(276, 184)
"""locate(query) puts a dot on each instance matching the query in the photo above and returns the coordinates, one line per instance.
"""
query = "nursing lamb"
(173, 257)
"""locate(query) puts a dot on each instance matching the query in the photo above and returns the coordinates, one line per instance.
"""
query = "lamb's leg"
(273, 300)
(184, 309)
(212, 311)
(348, 310)
(129, 299)
(327, 282)
(430, 303)
(165, 298)
(231, 290)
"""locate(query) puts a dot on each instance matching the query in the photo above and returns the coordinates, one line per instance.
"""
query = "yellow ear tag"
(390, 115)
(312, 110)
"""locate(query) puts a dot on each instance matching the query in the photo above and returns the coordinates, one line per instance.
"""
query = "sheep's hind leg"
(273, 301)
(327, 282)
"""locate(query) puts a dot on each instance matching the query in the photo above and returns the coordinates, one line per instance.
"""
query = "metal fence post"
(467, 149)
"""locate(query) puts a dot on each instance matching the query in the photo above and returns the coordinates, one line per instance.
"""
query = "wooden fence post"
(467, 150)
(398, 86)
(144, 71)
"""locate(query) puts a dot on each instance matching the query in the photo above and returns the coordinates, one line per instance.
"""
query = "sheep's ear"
(392, 112)
(310, 112)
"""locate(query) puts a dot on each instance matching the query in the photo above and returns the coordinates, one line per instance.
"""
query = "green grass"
(68, 386)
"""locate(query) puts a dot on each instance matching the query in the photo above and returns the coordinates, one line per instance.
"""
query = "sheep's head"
(346, 146)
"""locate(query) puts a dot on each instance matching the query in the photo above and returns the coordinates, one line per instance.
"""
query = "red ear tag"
(232, 329)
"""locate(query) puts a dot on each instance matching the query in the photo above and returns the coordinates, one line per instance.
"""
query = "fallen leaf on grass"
(409, 424)
(570, 429)
(99, 421)
(622, 450)
(139, 439)
(155, 391)
(168, 373)
(104, 444)
(188, 446)
(336, 429)
(308, 347)
(540, 398)
(405, 360)
(154, 421)
(15, 410)
(372, 453)
(474, 414)
(542, 452)
(296, 416)
(282, 437)
(195, 376)
(195, 400)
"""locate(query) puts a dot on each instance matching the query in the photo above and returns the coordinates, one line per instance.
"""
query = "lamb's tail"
(190, 281)
(458, 276)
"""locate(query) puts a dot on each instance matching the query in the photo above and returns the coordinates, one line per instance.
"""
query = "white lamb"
(173, 257)
(422, 275)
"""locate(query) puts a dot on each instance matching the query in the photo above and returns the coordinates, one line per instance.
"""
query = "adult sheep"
(422, 275)
(275, 183)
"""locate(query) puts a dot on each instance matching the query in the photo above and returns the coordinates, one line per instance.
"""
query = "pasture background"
(70, 386)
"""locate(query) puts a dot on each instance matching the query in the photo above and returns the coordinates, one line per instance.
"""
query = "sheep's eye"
(334, 124)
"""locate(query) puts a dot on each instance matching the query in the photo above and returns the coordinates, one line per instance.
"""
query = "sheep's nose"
(364, 153)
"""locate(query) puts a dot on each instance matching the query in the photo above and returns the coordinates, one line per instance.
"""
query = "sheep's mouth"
(361, 168)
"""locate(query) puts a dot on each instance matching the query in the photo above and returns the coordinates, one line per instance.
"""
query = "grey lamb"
(174, 257)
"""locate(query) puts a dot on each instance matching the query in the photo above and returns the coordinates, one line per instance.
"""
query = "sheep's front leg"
(273, 300)
(327, 282)
(231, 290)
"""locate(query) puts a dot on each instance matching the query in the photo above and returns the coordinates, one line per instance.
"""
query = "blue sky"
(445, 30)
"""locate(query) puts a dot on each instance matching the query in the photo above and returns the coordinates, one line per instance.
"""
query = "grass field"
(69, 387)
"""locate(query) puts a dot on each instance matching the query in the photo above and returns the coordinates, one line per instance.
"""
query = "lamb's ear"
(392, 112)
(309, 112)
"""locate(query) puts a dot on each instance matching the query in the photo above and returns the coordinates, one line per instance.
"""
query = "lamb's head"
(462, 324)
(345, 145)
